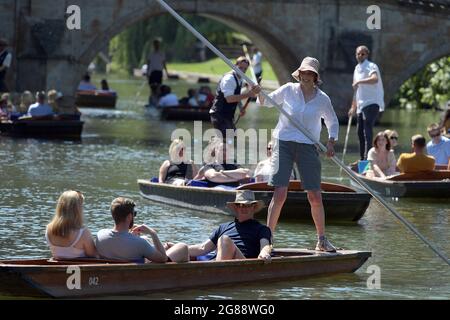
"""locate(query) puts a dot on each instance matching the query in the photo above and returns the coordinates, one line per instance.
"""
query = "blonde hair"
(51, 96)
(26, 99)
(68, 215)
(174, 151)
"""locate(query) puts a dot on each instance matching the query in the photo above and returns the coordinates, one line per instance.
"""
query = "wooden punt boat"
(96, 99)
(431, 184)
(342, 204)
(47, 278)
(51, 129)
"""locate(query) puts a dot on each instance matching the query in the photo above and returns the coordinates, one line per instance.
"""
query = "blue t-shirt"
(40, 110)
(440, 151)
(123, 246)
(246, 236)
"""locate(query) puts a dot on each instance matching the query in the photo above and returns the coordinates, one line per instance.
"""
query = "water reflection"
(120, 146)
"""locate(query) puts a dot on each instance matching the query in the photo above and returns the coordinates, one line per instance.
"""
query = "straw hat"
(308, 64)
(246, 197)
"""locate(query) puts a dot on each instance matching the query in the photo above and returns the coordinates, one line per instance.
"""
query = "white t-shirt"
(368, 94)
(156, 61)
(7, 61)
(440, 151)
(257, 62)
(388, 165)
(309, 115)
(228, 85)
(169, 100)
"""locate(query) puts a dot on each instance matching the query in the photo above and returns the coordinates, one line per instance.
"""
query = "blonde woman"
(26, 100)
(52, 97)
(178, 169)
(66, 235)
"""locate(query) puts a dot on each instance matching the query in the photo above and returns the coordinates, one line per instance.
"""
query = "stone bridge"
(413, 33)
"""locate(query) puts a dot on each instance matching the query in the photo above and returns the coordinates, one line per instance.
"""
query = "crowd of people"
(42, 105)
(68, 238)
(434, 155)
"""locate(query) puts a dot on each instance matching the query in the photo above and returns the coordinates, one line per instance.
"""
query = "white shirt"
(156, 61)
(169, 100)
(228, 85)
(368, 94)
(440, 151)
(8, 58)
(257, 62)
(308, 115)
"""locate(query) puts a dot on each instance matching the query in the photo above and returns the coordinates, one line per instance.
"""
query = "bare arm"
(160, 254)
(250, 94)
(378, 171)
(266, 250)
(88, 244)
(201, 249)
(373, 79)
(163, 171)
(226, 176)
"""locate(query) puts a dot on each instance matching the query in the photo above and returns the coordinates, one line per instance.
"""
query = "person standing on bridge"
(307, 105)
(368, 99)
(228, 97)
(5, 64)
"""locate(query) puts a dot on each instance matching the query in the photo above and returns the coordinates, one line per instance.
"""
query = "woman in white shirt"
(307, 105)
(66, 235)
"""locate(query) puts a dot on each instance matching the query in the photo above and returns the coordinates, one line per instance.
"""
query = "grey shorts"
(306, 156)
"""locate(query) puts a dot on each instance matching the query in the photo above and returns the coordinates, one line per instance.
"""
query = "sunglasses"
(244, 205)
(269, 148)
(435, 135)
(394, 138)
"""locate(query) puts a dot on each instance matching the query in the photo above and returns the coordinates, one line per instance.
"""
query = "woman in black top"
(177, 170)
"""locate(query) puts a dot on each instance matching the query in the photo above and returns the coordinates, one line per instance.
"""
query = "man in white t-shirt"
(40, 109)
(5, 64)
(155, 66)
(228, 96)
(368, 99)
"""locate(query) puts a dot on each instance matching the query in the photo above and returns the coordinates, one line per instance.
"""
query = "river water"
(123, 145)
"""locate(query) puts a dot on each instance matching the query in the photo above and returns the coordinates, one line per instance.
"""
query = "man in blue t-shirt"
(244, 238)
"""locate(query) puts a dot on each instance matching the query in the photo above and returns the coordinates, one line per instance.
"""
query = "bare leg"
(227, 250)
(178, 253)
(278, 200)
(317, 211)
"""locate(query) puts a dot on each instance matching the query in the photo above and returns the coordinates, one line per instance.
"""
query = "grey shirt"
(122, 246)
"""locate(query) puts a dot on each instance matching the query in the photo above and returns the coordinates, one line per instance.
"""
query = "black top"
(178, 171)
(246, 236)
(218, 167)
(220, 104)
(2, 59)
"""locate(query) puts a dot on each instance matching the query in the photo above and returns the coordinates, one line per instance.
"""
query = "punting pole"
(306, 133)
(346, 141)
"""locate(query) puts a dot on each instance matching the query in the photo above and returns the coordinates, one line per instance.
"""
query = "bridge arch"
(275, 52)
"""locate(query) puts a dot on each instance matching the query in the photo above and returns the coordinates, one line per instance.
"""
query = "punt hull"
(58, 129)
(340, 207)
(46, 278)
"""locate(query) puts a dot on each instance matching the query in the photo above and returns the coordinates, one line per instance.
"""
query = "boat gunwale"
(309, 255)
(228, 192)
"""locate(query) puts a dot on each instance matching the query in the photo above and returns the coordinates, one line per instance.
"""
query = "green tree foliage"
(429, 88)
(131, 48)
